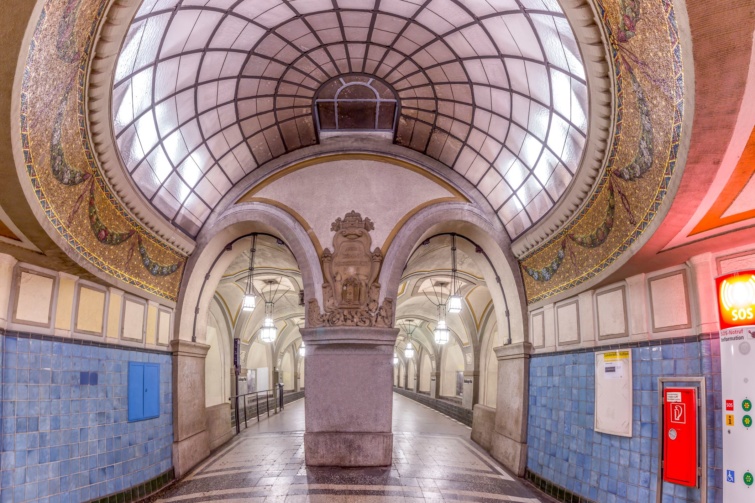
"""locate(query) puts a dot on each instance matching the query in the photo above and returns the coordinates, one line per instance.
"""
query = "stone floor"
(433, 460)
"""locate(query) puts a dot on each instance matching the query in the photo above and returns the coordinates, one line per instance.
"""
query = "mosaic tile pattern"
(649, 94)
(61, 166)
(63, 440)
(565, 449)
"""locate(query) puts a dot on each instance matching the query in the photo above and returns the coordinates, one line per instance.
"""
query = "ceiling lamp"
(395, 358)
(269, 331)
(250, 301)
(409, 350)
(454, 299)
(441, 332)
(302, 350)
(409, 328)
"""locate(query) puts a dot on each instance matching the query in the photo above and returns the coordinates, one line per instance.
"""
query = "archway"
(434, 230)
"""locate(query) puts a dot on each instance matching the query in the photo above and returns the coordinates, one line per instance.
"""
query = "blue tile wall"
(64, 440)
(564, 448)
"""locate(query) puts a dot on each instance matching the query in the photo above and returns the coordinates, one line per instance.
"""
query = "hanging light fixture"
(409, 328)
(302, 350)
(441, 332)
(269, 331)
(395, 358)
(454, 299)
(250, 301)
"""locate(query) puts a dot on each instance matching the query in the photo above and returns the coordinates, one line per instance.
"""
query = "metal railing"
(276, 394)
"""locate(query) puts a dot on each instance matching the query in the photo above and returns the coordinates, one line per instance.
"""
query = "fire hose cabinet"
(680, 436)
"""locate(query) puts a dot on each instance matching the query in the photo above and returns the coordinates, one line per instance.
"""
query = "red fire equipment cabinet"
(680, 436)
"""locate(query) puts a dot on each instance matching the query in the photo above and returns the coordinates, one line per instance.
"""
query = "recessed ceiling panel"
(206, 91)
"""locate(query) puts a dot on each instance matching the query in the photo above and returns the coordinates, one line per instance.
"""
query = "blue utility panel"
(143, 391)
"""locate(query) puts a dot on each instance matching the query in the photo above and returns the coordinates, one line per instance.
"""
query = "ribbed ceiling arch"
(206, 91)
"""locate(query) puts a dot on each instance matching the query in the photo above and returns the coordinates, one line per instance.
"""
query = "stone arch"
(207, 264)
(468, 221)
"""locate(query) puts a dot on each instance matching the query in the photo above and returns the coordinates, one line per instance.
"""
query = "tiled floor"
(433, 460)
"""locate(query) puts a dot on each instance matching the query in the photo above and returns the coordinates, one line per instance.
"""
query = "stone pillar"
(297, 386)
(509, 443)
(471, 385)
(349, 399)
(434, 384)
(191, 440)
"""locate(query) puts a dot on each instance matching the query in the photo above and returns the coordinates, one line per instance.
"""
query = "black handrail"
(269, 393)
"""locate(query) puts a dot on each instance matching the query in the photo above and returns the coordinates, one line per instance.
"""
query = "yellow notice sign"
(729, 419)
(616, 356)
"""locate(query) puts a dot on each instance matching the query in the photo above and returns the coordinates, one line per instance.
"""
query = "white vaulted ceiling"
(206, 91)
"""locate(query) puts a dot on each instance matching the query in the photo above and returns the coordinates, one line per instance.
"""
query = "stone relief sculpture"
(350, 289)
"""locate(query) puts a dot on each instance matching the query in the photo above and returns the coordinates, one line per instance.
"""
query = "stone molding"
(372, 336)
(188, 349)
(514, 351)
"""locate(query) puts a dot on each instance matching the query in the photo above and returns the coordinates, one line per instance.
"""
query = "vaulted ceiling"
(206, 91)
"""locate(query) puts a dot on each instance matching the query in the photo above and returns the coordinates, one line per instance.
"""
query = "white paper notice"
(613, 370)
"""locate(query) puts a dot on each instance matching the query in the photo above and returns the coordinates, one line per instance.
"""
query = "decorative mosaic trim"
(632, 345)
(79, 342)
(141, 491)
(670, 164)
(68, 176)
(553, 490)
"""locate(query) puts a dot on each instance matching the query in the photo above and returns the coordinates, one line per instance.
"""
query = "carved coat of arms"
(350, 288)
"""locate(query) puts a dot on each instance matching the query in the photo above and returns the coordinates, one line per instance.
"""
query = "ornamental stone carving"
(350, 287)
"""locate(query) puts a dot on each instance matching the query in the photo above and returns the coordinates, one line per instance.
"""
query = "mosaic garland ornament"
(153, 267)
(547, 272)
(66, 43)
(599, 235)
(630, 14)
(643, 161)
(57, 64)
(63, 172)
(103, 234)
(647, 171)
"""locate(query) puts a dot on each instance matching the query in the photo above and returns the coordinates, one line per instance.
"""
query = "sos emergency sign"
(736, 310)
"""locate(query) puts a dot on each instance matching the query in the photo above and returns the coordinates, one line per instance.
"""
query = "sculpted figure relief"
(350, 272)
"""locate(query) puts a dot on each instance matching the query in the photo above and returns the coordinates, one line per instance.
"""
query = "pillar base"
(348, 449)
(349, 399)
(510, 453)
(189, 452)
(191, 439)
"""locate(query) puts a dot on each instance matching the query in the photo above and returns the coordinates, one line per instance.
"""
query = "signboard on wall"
(613, 392)
(736, 310)
(237, 356)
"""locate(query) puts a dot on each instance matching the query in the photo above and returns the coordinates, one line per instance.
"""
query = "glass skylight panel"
(234, 89)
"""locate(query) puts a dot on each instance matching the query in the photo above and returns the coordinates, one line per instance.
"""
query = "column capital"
(513, 351)
(188, 348)
(371, 336)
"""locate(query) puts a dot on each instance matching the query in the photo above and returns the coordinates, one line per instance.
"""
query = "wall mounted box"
(143, 391)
